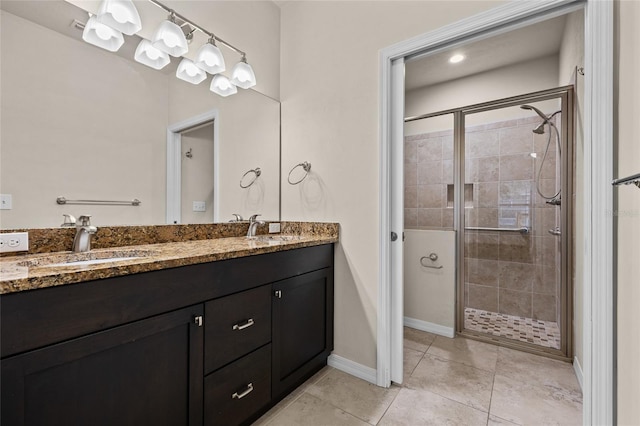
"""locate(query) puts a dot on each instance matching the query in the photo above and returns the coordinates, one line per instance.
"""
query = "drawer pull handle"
(244, 393)
(247, 324)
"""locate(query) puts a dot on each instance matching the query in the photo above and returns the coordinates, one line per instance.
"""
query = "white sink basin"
(276, 238)
(92, 261)
(97, 257)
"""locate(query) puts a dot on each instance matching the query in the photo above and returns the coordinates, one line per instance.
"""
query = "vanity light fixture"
(456, 58)
(209, 58)
(169, 37)
(148, 55)
(242, 74)
(121, 15)
(221, 85)
(189, 72)
(101, 35)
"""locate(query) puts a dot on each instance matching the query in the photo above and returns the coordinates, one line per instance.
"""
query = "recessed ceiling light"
(456, 58)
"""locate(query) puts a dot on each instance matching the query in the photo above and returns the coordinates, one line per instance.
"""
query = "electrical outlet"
(274, 228)
(6, 202)
(199, 206)
(14, 241)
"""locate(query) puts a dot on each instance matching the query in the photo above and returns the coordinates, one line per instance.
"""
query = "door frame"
(174, 164)
(598, 303)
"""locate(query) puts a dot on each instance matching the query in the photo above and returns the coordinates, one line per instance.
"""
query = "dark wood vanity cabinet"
(212, 344)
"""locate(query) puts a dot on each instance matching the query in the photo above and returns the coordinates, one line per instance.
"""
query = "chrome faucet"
(84, 230)
(237, 219)
(253, 224)
(69, 221)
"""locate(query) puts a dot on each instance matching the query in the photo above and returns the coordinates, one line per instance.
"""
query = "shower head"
(540, 129)
(540, 113)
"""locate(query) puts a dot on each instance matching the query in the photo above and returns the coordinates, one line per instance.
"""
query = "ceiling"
(527, 43)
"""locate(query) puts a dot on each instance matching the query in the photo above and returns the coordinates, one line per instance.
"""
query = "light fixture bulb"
(210, 59)
(222, 86)
(170, 39)
(242, 75)
(100, 35)
(189, 72)
(121, 15)
(456, 58)
(148, 55)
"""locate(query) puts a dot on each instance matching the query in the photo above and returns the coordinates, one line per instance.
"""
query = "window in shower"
(515, 280)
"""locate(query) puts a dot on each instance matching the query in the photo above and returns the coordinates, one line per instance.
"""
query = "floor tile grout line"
(389, 406)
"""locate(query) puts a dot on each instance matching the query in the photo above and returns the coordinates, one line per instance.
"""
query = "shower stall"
(502, 178)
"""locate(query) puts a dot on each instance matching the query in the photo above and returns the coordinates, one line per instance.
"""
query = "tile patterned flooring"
(542, 333)
(447, 382)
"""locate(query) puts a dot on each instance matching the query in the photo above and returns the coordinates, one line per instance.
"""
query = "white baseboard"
(577, 368)
(430, 327)
(351, 367)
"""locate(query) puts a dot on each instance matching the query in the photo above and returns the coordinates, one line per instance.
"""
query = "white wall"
(572, 56)
(89, 124)
(628, 236)
(429, 294)
(197, 174)
(329, 94)
(517, 79)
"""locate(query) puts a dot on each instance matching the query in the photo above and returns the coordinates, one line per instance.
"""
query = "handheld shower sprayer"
(539, 130)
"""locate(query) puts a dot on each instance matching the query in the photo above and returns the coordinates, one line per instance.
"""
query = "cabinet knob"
(198, 320)
(278, 294)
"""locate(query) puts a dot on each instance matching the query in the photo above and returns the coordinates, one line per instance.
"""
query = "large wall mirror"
(87, 124)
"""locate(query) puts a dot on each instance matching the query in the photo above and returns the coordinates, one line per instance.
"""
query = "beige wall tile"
(517, 248)
(544, 307)
(431, 218)
(486, 169)
(410, 218)
(410, 196)
(481, 144)
(485, 194)
(546, 280)
(483, 217)
(516, 167)
(516, 303)
(447, 147)
(482, 272)
(430, 150)
(516, 140)
(431, 196)
(410, 174)
(429, 172)
(447, 218)
(482, 245)
(410, 151)
(481, 297)
(517, 276)
(447, 171)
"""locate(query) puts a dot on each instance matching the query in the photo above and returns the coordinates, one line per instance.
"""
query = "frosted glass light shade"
(188, 71)
(101, 35)
(242, 75)
(170, 39)
(221, 85)
(150, 56)
(121, 15)
(210, 59)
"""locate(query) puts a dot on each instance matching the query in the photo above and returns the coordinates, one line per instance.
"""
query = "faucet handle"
(85, 220)
(238, 217)
(254, 218)
(69, 221)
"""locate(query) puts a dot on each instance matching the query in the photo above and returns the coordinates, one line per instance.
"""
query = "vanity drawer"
(237, 392)
(236, 325)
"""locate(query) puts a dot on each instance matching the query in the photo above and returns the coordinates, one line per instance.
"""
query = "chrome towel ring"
(257, 172)
(306, 166)
(432, 257)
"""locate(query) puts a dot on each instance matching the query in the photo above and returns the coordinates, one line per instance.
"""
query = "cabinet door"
(149, 372)
(302, 335)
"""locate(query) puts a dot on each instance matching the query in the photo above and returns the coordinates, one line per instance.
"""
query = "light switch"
(199, 206)
(6, 202)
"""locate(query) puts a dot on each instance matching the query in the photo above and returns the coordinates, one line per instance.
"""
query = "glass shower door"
(513, 268)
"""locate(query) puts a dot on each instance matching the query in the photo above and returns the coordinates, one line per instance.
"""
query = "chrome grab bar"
(633, 179)
(432, 257)
(522, 230)
(134, 202)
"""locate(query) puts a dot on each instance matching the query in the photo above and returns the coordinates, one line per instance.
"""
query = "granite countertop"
(35, 271)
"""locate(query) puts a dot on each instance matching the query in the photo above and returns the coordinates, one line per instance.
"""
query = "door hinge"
(197, 320)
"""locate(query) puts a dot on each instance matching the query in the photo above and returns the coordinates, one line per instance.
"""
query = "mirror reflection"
(87, 124)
